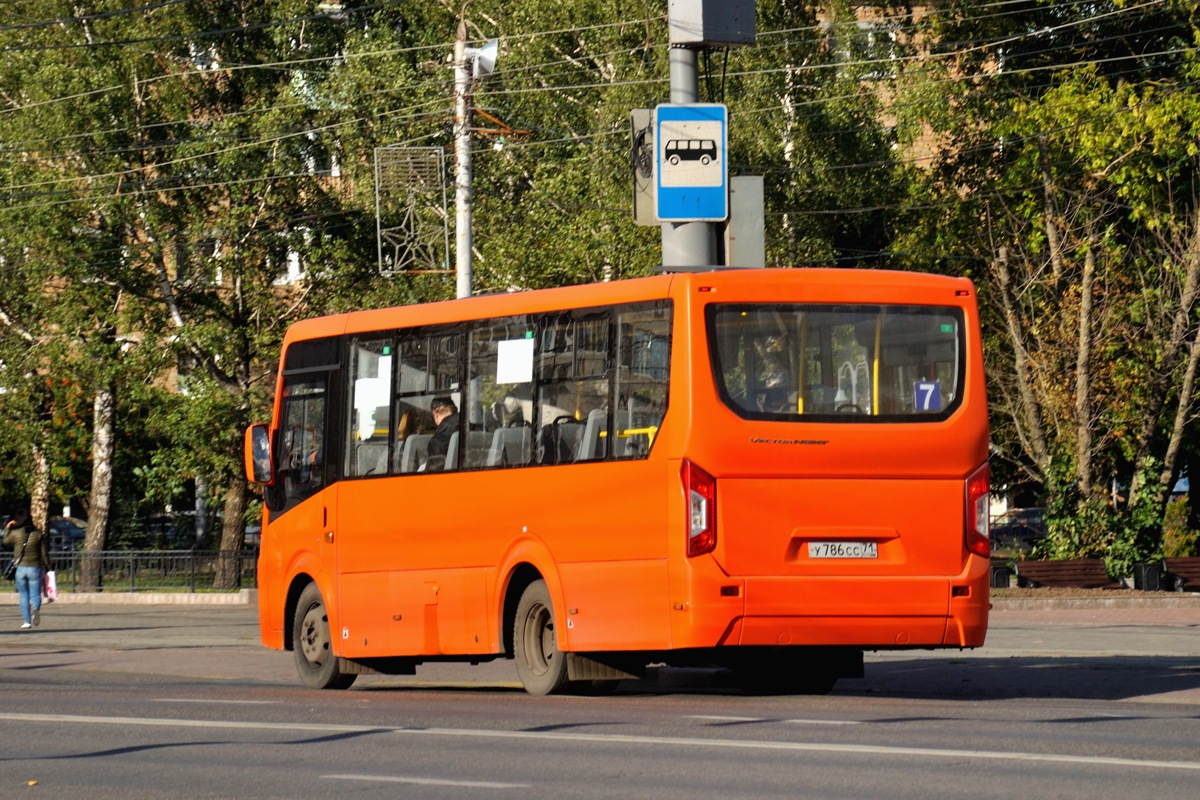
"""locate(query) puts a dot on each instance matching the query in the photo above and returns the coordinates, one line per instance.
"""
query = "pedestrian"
(32, 555)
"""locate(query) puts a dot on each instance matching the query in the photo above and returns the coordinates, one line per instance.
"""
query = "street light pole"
(686, 244)
(462, 161)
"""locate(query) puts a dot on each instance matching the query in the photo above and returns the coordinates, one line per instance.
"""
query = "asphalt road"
(181, 702)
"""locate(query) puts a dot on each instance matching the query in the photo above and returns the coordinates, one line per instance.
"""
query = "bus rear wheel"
(541, 666)
(312, 644)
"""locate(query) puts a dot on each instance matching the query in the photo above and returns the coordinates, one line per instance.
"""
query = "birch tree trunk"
(1083, 357)
(1028, 421)
(100, 501)
(39, 505)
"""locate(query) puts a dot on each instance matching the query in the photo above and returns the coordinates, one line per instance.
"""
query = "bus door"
(304, 505)
(371, 514)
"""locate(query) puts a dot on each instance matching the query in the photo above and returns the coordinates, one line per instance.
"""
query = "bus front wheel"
(313, 646)
(541, 666)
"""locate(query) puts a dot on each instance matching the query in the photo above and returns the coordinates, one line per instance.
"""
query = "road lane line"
(214, 702)
(428, 781)
(716, 718)
(597, 738)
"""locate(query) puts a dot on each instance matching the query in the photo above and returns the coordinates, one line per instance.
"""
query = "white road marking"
(714, 718)
(427, 781)
(214, 702)
(598, 738)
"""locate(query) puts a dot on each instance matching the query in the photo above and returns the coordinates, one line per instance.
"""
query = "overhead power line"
(500, 94)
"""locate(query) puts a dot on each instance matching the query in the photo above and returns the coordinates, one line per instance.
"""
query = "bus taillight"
(701, 490)
(978, 500)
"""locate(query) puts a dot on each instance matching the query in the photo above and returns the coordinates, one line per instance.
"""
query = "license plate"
(843, 550)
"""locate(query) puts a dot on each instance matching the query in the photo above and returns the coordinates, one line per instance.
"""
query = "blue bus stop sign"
(691, 162)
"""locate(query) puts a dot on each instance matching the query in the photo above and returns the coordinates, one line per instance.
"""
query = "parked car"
(66, 533)
(1019, 528)
(253, 536)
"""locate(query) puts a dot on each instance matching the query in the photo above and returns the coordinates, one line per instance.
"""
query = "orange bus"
(769, 471)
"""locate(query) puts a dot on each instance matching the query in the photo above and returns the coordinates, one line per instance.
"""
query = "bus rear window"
(851, 363)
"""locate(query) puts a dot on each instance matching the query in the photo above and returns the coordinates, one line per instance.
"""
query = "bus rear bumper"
(874, 613)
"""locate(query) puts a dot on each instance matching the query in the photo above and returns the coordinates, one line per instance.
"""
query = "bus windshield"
(791, 361)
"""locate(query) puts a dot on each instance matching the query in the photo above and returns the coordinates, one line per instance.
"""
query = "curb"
(1100, 601)
(243, 597)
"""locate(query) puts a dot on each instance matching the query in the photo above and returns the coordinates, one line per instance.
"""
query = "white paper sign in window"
(514, 361)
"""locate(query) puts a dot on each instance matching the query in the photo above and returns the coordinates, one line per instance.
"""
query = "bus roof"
(824, 284)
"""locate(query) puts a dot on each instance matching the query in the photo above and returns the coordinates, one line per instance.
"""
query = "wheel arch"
(527, 560)
(519, 579)
(297, 586)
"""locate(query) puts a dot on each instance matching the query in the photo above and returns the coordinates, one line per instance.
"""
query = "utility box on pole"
(645, 199)
(711, 23)
(745, 232)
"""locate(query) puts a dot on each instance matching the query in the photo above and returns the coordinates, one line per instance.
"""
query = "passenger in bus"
(509, 412)
(445, 417)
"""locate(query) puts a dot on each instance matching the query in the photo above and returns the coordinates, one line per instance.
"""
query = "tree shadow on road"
(1080, 677)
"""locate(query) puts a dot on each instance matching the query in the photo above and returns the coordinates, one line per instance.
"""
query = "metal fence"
(156, 570)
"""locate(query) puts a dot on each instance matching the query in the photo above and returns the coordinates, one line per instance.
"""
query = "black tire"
(541, 666)
(312, 644)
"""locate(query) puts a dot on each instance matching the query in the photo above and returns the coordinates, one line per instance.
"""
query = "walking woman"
(33, 557)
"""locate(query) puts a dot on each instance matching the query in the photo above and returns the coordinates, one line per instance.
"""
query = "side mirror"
(257, 452)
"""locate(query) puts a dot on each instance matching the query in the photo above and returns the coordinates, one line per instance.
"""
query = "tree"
(1069, 192)
(180, 188)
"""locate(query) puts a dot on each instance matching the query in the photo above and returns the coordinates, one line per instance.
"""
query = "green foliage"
(1179, 540)
(158, 180)
(1068, 141)
(1090, 527)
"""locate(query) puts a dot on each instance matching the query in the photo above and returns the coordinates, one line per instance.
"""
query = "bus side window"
(369, 435)
(573, 387)
(429, 366)
(500, 388)
(643, 375)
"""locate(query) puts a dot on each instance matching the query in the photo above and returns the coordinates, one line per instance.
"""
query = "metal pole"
(462, 152)
(686, 244)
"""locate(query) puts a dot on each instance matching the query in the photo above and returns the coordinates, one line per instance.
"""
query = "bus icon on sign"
(702, 150)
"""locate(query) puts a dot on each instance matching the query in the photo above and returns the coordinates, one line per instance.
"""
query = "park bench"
(1184, 571)
(1079, 573)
